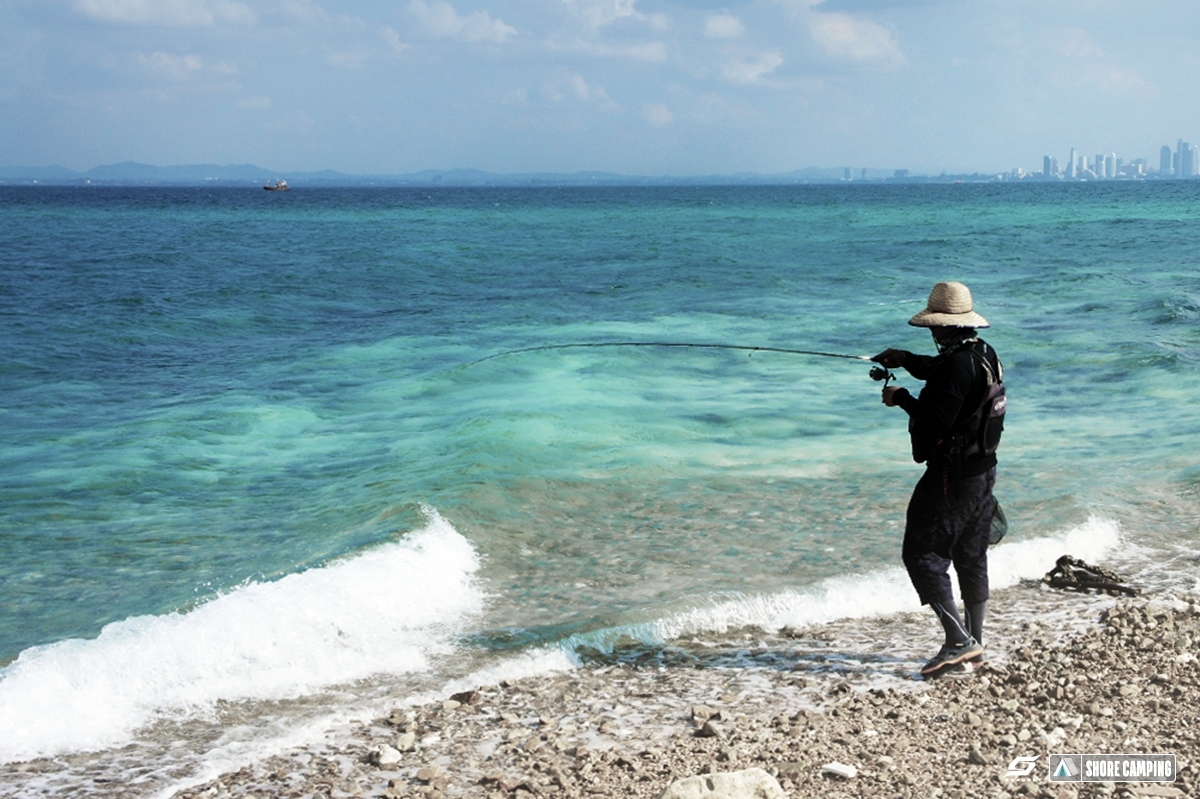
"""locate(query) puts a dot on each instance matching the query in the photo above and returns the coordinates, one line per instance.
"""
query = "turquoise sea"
(257, 464)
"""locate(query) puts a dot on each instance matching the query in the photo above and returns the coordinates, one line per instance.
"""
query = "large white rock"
(385, 756)
(753, 783)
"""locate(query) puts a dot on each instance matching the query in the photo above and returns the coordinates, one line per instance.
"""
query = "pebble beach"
(823, 712)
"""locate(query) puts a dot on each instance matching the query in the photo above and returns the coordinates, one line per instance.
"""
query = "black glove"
(891, 358)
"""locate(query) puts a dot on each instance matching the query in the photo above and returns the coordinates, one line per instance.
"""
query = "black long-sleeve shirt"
(955, 386)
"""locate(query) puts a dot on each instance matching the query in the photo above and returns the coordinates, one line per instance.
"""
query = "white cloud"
(574, 87)
(854, 38)
(175, 13)
(751, 71)
(303, 11)
(1090, 66)
(516, 97)
(1116, 80)
(348, 60)
(643, 51)
(442, 20)
(723, 26)
(176, 66)
(1077, 43)
(599, 13)
(646, 51)
(658, 115)
(394, 42)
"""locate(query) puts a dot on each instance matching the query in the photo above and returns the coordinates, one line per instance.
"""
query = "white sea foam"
(873, 594)
(239, 746)
(528, 664)
(1093, 541)
(387, 610)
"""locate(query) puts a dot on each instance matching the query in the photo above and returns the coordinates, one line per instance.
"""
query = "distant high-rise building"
(1164, 160)
(1110, 166)
(1186, 160)
(1071, 165)
(1049, 166)
(1098, 166)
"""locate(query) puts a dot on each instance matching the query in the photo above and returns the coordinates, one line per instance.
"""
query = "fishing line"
(687, 345)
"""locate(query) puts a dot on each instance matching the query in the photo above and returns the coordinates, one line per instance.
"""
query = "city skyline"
(1181, 162)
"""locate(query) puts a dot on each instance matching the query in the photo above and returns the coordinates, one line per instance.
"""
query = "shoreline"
(630, 724)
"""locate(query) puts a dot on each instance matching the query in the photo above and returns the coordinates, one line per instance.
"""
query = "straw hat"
(949, 305)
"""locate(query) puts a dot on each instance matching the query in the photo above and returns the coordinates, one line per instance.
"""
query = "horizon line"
(130, 173)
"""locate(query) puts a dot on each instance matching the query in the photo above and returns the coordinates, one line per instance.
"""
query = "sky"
(636, 87)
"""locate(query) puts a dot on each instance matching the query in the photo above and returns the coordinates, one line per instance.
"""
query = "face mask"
(948, 345)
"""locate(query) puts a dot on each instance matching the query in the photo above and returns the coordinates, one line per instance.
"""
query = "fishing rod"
(877, 372)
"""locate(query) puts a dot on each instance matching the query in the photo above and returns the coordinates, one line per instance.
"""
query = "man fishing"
(955, 425)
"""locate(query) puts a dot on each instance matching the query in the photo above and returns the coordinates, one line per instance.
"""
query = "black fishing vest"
(976, 432)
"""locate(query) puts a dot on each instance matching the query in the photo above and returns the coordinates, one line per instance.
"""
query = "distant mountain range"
(130, 173)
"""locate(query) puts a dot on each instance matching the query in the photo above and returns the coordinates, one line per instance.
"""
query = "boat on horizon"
(279, 185)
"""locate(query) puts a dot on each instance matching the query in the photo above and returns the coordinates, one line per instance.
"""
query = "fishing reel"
(882, 373)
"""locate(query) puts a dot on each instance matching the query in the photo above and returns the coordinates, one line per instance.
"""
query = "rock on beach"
(751, 783)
